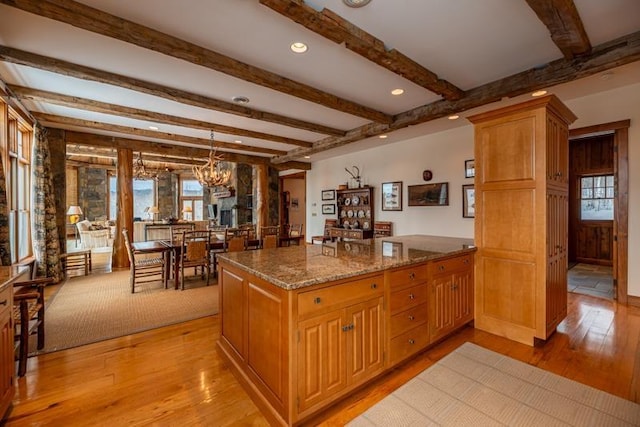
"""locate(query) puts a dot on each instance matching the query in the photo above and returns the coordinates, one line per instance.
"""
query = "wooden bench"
(77, 261)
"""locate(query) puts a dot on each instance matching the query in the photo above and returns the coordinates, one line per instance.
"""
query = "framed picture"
(469, 168)
(392, 249)
(429, 194)
(392, 196)
(468, 201)
(328, 209)
(328, 194)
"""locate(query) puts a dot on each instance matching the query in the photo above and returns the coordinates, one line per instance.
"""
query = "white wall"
(444, 154)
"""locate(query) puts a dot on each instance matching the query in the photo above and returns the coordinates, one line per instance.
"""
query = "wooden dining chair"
(195, 253)
(143, 268)
(326, 236)
(235, 239)
(269, 236)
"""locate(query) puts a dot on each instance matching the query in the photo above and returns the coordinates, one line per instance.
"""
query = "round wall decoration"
(427, 175)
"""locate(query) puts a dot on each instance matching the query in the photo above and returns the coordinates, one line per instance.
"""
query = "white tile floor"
(590, 279)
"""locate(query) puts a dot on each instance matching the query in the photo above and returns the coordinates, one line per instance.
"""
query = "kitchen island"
(303, 326)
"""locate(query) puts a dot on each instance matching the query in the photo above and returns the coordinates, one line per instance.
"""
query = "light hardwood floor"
(174, 375)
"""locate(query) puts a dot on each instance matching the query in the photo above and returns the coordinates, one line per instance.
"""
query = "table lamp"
(74, 213)
(153, 210)
(187, 210)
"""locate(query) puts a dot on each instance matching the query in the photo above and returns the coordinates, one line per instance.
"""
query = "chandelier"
(210, 174)
(141, 172)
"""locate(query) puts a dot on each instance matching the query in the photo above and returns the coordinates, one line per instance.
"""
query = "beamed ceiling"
(158, 75)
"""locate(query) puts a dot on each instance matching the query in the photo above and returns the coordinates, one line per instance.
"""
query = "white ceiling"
(466, 42)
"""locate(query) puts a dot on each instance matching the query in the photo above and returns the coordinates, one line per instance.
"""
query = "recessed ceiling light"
(382, 136)
(307, 157)
(240, 99)
(237, 141)
(539, 93)
(397, 91)
(356, 3)
(154, 127)
(453, 117)
(299, 47)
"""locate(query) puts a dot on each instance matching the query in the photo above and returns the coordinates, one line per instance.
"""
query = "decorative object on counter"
(328, 194)
(429, 194)
(427, 175)
(468, 201)
(328, 209)
(356, 181)
(392, 196)
(211, 174)
(469, 168)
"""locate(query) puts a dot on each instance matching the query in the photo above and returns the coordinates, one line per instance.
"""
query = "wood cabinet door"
(321, 358)
(7, 365)
(365, 348)
(462, 297)
(440, 306)
(233, 301)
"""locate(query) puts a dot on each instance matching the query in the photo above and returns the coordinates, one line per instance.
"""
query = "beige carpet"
(476, 387)
(101, 306)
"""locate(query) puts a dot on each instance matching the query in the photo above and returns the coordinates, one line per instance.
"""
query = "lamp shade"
(74, 210)
(187, 209)
(154, 210)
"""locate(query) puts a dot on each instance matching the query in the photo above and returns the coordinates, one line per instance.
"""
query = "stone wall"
(93, 187)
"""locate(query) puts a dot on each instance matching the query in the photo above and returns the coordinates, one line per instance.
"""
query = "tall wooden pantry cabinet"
(521, 218)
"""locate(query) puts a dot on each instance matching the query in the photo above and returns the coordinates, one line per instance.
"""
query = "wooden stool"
(80, 260)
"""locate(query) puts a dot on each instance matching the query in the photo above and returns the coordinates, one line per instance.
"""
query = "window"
(144, 196)
(191, 200)
(596, 198)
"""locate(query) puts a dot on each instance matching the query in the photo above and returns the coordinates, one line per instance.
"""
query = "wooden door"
(462, 298)
(321, 358)
(7, 364)
(365, 340)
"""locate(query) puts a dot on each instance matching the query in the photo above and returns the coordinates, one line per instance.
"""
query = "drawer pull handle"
(411, 317)
(412, 275)
(345, 328)
(4, 302)
(412, 341)
(374, 285)
(412, 296)
(441, 268)
(317, 300)
(466, 261)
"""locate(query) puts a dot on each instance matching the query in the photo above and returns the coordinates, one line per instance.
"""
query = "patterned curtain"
(46, 245)
(5, 254)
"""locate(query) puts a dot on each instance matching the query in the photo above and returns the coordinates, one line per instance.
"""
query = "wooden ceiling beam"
(20, 57)
(62, 120)
(563, 21)
(618, 52)
(99, 22)
(111, 153)
(337, 29)
(135, 113)
(82, 138)
(292, 165)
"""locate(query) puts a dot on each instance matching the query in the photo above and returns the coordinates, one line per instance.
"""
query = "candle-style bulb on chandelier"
(211, 174)
(141, 172)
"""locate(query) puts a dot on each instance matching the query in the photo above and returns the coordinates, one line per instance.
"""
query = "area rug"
(476, 387)
(97, 307)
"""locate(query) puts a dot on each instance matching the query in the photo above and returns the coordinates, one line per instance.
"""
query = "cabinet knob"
(441, 268)
(374, 285)
(411, 317)
(412, 275)
(411, 296)
(317, 300)
(465, 261)
(412, 341)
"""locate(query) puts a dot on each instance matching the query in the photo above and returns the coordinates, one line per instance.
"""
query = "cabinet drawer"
(408, 275)
(337, 296)
(409, 343)
(452, 264)
(406, 298)
(402, 322)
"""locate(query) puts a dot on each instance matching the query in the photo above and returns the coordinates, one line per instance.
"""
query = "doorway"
(598, 210)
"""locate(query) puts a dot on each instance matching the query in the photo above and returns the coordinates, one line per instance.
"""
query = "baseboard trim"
(633, 301)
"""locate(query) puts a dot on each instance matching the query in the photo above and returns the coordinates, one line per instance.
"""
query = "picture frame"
(328, 195)
(436, 194)
(468, 201)
(392, 250)
(392, 196)
(470, 168)
(328, 209)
